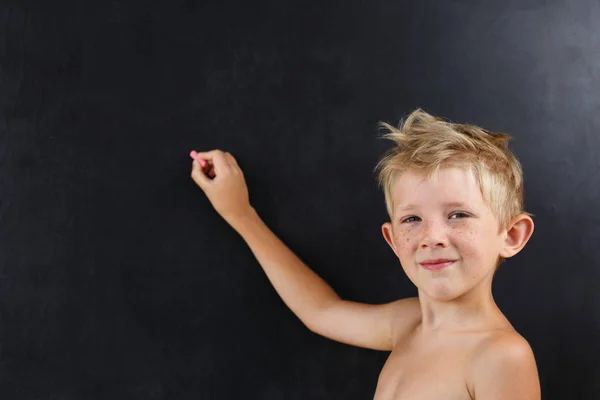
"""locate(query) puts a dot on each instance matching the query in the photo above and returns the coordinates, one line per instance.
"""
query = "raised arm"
(311, 299)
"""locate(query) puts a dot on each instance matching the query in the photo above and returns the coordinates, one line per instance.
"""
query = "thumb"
(198, 175)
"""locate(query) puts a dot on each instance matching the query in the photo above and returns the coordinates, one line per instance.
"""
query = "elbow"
(317, 320)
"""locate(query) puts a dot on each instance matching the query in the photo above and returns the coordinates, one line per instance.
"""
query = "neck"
(474, 310)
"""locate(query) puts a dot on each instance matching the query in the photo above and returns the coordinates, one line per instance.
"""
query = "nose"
(433, 235)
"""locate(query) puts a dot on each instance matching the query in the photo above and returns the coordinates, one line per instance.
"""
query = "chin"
(442, 291)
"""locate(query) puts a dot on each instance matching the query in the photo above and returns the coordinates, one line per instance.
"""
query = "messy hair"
(425, 143)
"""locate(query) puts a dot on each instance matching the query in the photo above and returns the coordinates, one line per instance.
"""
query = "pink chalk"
(194, 154)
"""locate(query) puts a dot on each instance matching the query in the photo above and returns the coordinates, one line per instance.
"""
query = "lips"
(436, 264)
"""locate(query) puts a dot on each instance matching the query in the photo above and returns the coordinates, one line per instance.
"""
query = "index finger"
(194, 155)
(217, 157)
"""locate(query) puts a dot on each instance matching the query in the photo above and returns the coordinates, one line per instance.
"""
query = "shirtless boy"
(454, 195)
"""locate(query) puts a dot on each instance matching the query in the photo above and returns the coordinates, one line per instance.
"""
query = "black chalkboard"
(119, 281)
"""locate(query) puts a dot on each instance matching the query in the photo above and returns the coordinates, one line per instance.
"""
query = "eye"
(410, 219)
(458, 215)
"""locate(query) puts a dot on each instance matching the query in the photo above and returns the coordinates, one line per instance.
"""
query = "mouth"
(437, 264)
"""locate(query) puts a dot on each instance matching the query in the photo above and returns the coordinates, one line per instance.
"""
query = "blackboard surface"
(119, 281)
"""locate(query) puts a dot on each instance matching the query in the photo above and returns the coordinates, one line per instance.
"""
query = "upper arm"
(365, 325)
(507, 370)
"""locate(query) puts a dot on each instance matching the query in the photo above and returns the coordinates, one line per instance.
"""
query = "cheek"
(468, 240)
(404, 242)
(475, 245)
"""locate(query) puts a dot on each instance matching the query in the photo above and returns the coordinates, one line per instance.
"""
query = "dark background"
(119, 281)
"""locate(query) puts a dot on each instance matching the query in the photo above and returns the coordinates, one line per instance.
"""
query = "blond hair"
(424, 143)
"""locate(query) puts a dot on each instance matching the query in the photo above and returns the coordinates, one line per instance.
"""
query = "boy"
(454, 195)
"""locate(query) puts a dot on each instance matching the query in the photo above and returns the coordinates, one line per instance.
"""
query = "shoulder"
(507, 349)
(504, 367)
(407, 309)
(407, 315)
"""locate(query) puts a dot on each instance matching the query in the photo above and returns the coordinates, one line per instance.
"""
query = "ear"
(517, 235)
(388, 234)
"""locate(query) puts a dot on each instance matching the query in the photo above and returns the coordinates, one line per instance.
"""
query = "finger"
(206, 166)
(220, 163)
(217, 158)
(208, 170)
(199, 176)
(196, 156)
(233, 161)
(206, 155)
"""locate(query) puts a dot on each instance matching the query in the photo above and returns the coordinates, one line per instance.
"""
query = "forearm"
(301, 289)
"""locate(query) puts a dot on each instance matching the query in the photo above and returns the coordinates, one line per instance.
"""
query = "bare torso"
(434, 366)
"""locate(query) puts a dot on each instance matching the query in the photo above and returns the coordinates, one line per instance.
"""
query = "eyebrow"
(457, 204)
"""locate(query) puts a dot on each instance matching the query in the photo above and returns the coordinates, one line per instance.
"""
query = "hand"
(218, 174)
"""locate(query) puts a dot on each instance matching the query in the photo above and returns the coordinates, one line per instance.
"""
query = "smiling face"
(444, 233)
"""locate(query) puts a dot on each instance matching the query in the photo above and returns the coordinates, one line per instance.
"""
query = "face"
(444, 233)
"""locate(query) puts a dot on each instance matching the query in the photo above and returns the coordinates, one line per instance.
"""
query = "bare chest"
(425, 373)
